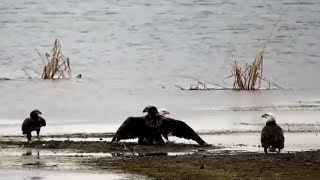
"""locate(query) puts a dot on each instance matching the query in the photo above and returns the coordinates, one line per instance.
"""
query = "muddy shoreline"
(169, 161)
(301, 165)
(106, 147)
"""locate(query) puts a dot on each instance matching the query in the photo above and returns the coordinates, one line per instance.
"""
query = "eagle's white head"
(163, 112)
(269, 116)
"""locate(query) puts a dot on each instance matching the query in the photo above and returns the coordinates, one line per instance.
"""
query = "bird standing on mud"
(272, 134)
(142, 127)
(33, 123)
(149, 128)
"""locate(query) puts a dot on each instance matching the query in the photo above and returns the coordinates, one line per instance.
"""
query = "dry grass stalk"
(250, 76)
(247, 77)
(56, 65)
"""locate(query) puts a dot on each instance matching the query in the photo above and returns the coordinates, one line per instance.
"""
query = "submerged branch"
(26, 72)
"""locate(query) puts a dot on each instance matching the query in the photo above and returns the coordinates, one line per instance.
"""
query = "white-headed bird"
(272, 134)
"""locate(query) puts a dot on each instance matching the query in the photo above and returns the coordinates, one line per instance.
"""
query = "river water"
(132, 54)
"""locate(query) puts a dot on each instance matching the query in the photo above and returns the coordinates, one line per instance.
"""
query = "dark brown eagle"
(272, 134)
(149, 129)
(33, 123)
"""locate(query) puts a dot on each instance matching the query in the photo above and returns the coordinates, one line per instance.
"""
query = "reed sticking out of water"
(56, 65)
(249, 76)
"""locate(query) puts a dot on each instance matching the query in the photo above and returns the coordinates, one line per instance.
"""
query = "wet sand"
(230, 140)
(55, 158)
(300, 165)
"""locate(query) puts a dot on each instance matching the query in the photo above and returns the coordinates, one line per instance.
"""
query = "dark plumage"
(135, 127)
(272, 135)
(140, 127)
(149, 128)
(33, 123)
(179, 129)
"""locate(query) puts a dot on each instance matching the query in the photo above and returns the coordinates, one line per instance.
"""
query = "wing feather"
(42, 121)
(264, 136)
(129, 129)
(180, 129)
(272, 135)
(26, 125)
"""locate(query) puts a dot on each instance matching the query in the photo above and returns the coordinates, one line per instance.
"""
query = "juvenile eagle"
(272, 134)
(33, 123)
(149, 128)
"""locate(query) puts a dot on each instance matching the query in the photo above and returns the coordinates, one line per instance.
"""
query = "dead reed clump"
(247, 77)
(56, 65)
(250, 76)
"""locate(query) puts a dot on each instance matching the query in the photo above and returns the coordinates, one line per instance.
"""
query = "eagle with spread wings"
(150, 128)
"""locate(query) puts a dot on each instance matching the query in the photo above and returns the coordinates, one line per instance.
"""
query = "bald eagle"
(142, 127)
(149, 128)
(33, 123)
(272, 134)
(163, 112)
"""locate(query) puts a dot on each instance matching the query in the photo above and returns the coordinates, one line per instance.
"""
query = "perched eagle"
(149, 128)
(33, 123)
(272, 134)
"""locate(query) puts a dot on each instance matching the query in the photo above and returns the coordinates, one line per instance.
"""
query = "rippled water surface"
(127, 50)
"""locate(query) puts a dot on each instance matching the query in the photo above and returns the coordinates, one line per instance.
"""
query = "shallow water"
(54, 175)
(48, 152)
(251, 141)
(46, 164)
(128, 50)
(240, 140)
(35, 153)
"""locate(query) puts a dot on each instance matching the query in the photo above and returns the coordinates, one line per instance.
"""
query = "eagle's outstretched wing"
(180, 129)
(130, 129)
